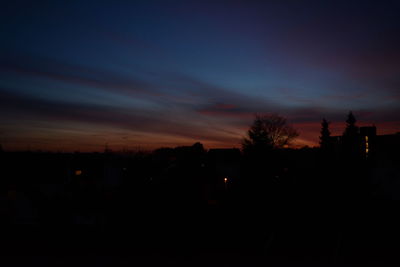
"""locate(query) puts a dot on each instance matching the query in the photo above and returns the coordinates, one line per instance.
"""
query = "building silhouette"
(367, 144)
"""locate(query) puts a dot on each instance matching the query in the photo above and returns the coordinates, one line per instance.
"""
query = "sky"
(82, 75)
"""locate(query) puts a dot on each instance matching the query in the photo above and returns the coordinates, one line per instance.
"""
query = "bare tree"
(269, 131)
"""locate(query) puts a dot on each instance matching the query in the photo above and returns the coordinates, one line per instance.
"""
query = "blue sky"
(76, 75)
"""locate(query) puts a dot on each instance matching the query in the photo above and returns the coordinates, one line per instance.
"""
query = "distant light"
(225, 180)
(78, 172)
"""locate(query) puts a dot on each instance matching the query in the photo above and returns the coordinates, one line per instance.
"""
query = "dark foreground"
(294, 209)
(295, 235)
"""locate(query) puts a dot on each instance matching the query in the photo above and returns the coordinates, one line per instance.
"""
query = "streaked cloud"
(152, 74)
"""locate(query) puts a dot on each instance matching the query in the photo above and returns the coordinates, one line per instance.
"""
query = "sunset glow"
(148, 74)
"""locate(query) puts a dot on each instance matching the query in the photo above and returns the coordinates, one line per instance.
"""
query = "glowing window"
(78, 172)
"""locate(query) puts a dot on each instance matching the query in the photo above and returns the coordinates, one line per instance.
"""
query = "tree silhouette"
(351, 141)
(269, 132)
(325, 138)
(351, 128)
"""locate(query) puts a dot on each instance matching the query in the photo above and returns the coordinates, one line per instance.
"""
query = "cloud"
(188, 109)
(168, 88)
(135, 120)
(46, 68)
